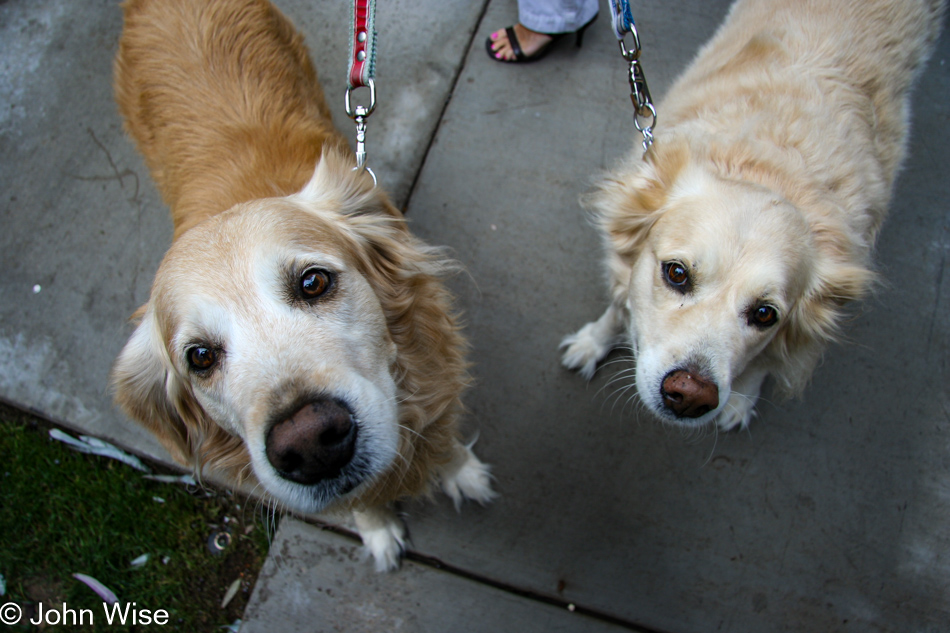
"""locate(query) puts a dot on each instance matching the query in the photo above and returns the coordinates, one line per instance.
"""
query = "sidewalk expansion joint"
(445, 105)
(437, 564)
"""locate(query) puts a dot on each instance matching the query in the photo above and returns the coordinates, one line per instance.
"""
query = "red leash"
(362, 43)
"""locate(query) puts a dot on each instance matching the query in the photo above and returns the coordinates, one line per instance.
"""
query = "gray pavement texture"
(832, 513)
(314, 576)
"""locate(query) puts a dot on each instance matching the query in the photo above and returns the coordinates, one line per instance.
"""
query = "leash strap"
(362, 72)
(621, 17)
(644, 114)
(362, 43)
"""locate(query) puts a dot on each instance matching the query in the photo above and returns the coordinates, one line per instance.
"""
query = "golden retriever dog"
(735, 243)
(296, 335)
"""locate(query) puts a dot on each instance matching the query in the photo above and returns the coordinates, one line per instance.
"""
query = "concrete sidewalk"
(831, 514)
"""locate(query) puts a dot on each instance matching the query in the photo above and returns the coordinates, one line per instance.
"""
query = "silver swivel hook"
(359, 114)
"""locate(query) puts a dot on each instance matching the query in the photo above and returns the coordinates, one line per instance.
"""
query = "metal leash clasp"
(644, 114)
(359, 114)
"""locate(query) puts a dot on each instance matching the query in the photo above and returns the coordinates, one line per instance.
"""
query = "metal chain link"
(644, 113)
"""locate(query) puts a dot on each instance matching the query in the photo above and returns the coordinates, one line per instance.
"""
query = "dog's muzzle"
(313, 444)
(688, 394)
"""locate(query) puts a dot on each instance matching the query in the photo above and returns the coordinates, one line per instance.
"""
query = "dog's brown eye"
(314, 283)
(201, 358)
(677, 276)
(763, 316)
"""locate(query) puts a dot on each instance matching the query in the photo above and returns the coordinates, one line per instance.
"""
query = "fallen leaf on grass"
(188, 480)
(231, 592)
(141, 560)
(95, 446)
(104, 592)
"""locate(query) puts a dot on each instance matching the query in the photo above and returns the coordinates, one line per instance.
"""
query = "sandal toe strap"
(515, 44)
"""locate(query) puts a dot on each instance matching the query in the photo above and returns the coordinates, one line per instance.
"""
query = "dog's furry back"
(863, 51)
(197, 103)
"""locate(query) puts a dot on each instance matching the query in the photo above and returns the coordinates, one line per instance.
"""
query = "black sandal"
(521, 58)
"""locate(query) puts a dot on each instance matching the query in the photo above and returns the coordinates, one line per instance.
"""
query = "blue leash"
(622, 18)
(644, 114)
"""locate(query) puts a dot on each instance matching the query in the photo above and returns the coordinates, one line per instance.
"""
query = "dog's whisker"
(405, 461)
(618, 378)
(636, 405)
(405, 396)
(621, 374)
(614, 396)
(414, 432)
(615, 387)
(619, 393)
(624, 358)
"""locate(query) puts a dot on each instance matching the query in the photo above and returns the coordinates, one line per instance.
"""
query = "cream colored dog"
(296, 333)
(734, 243)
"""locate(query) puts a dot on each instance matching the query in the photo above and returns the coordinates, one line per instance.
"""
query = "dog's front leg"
(383, 535)
(740, 408)
(590, 344)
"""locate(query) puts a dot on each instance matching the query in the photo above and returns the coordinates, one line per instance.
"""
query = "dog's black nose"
(314, 443)
(688, 394)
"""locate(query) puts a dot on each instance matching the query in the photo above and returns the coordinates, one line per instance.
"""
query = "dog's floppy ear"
(815, 319)
(407, 276)
(139, 378)
(149, 390)
(625, 204)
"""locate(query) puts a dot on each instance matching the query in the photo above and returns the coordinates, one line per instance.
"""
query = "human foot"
(517, 43)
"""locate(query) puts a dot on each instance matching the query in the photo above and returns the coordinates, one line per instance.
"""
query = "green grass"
(63, 512)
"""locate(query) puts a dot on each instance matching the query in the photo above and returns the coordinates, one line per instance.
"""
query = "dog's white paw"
(590, 344)
(737, 414)
(740, 407)
(583, 351)
(383, 535)
(470, 479)
(385, 546)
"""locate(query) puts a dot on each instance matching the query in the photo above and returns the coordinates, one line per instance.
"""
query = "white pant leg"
(556, 16)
